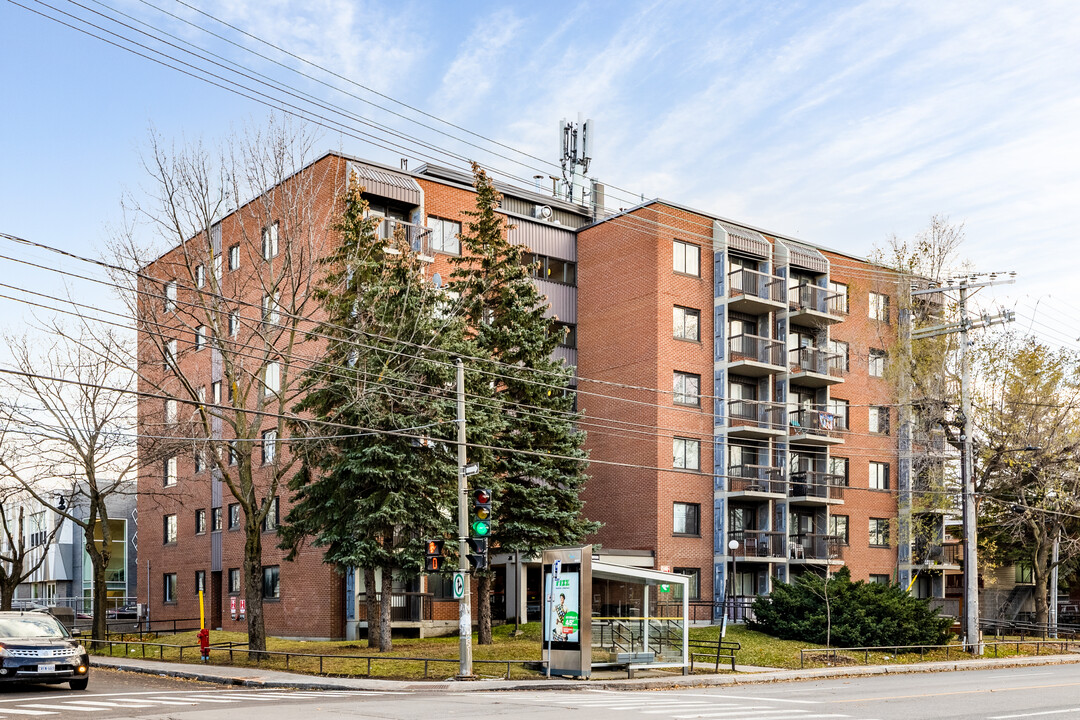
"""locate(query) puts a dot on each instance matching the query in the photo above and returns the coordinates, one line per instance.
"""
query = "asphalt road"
(1040, 693)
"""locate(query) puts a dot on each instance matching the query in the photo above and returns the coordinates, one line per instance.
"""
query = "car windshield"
(29, 626)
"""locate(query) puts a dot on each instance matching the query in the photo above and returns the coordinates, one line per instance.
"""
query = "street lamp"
(733, 545)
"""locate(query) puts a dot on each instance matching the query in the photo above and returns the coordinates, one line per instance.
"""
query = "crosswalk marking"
(101, 704)
(60, 707)
(197, 698)
(35, 713)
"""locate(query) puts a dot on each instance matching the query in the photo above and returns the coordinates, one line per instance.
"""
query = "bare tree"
(221, 315)
(20, 556)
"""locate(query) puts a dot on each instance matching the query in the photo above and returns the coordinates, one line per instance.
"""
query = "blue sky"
(841, 123)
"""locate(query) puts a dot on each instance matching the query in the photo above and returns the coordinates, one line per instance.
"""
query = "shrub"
(863, 614)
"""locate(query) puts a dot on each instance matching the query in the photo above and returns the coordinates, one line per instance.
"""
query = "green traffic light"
(480, 528)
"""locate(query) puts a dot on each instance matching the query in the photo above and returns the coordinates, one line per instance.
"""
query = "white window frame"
(440, 229)
(169, 529)
(270, 241)
(271, 379)
(172, 411)
(879, 417)
(879, 307)
(269, 447)
(271, 308)
(172, 473)
(879, 475)
(234, 257)
(234, 324)
(170, 296)
(200, 276)
(685, 262)
(875, 362)
(201, 337)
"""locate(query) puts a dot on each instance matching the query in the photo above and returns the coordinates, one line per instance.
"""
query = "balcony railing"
(756, 348)
(756, 412)
(811, 359)
(927, 553)
(811, 297)
(759, 544)
(815, 422)
(953, 553)
(815, 546)
(755, 284)
(810, 484)
(418, 237)
(756, 478)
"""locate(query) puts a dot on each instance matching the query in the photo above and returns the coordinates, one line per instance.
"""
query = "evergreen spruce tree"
(538, 475)
(367, 492)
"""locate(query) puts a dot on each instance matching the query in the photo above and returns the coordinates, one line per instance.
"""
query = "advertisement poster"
(562, 609)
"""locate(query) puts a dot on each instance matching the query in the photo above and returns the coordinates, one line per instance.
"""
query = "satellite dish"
(437, 280)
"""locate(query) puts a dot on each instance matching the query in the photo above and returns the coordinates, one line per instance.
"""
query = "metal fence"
(951, 651)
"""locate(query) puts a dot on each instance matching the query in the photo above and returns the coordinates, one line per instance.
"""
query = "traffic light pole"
(465, 603)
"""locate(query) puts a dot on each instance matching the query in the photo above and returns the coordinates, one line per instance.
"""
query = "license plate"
(46, 668)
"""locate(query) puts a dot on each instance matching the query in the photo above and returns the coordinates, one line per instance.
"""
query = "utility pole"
(465, 603)
(967, 476)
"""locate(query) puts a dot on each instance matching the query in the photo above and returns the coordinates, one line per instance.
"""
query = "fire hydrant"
(204, 644)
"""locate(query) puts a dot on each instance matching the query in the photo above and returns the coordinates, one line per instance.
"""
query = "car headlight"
(80, 650)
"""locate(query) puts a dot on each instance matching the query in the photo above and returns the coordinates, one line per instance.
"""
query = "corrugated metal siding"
(569, 355)
(386, 184)
(562, 300)
(545, 239)
(746, 241)
(215, 552)
(527, 208)
(806, 258)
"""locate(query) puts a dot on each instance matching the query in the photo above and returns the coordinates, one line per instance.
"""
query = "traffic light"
(478, 557)
(481, 526)
(433, 556)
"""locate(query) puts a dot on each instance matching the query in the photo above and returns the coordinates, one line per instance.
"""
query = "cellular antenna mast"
(575, 154)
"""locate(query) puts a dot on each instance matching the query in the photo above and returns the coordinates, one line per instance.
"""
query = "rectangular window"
(271, 379)
(270, 241)
(170, 354)
(234, 458)
(839, 410)
(234, 324)
(879, 532)
(687, 389)
(215, 391)
(1025, 574)
(444, 235)
(876, 363)
(171, 473)
(234, 516)
(838, 528)
(168, 529)
(168, 588)
(199, 463)
(273, 517)
(686, 259)
(269, 446)
(840, 353)
(838, 468)
(170, 296)
(271, 582)
(687, 454)
(569, 337)
(879, 476)
(687, 520)
(551, 269)
(687, 324)
(693, 588)
(879, 307)
(171, 412)
(271, 308)
(234, 257)
(200, 276)
(879, 579)
(234, 580)
(879, 420)
(215, 519)
(200, 521)
(200, 581)
(838, 298)
(201, 393)
(201, 335)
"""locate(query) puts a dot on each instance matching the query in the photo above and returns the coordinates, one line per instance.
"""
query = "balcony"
(816, 547)
(418, 237)
(755, 419)
(936, 556)
(754, 292)
(754, 480)
(756, 356)
(807, 487)
(813, 367)
(759, 545)
(815, 427)
(810, 304)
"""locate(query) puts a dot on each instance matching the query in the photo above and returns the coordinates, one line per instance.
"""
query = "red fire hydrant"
(204, 644)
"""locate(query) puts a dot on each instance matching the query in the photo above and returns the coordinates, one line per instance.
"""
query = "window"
(879, 476)
(234, 257)
(170, 411)
(686, 259)
(234, 324)
(687, 388)
(170, 354)
(271, 379)
(270, 241)
(170, 296)
(879, 579)
(200, 276)
(234, 580)
(1025, 574)
(201, 393)
(271, 582)
(879, 420)
(551, 269)
(876, 363)
(687, 519)
(687, 454)
(839, 410)
(170, 471)
(569, 337)
(200, 337)
(693, 588)
(168, 529)
(269, 446)
(838, 528)
(687, 322)
(444, 235)
(200, 581)
(215, 391)
(234, 516)
(838, 468)
(233, 457)
(271, 308)
(840, 355)
(215, 519)
(200, 521)
(838, 298)
(199, 463)
(168, 588)
(879, 532)
(879, 307)
(273, 517)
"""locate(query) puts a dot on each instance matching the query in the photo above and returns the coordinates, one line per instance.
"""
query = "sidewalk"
(254, 677)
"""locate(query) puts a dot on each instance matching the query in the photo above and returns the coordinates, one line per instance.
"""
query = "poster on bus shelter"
(562, 608)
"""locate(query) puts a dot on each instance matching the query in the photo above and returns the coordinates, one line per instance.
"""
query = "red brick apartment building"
(749, 405)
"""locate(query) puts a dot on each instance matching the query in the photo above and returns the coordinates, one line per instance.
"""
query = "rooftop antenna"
(575, 154)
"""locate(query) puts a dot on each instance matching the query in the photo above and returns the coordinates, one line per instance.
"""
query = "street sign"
(459, 585)
(471, 469)
(555, 568)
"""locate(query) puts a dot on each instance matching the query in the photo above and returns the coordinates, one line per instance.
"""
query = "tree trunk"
(253, 585)
(1041, 575)
(7, 594)
(483, 608)
(99, 560)
(371, 599)
(385, 603)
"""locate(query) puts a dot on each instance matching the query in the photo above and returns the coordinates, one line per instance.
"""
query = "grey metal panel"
(520, 206)
(806, 258)
(386, 184)
(568, 355)
(747, 241)
(215, 551)
(215, 488)
(545, 239)
(562, 300)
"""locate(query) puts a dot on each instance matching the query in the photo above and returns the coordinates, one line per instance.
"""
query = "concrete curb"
(278, 679)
